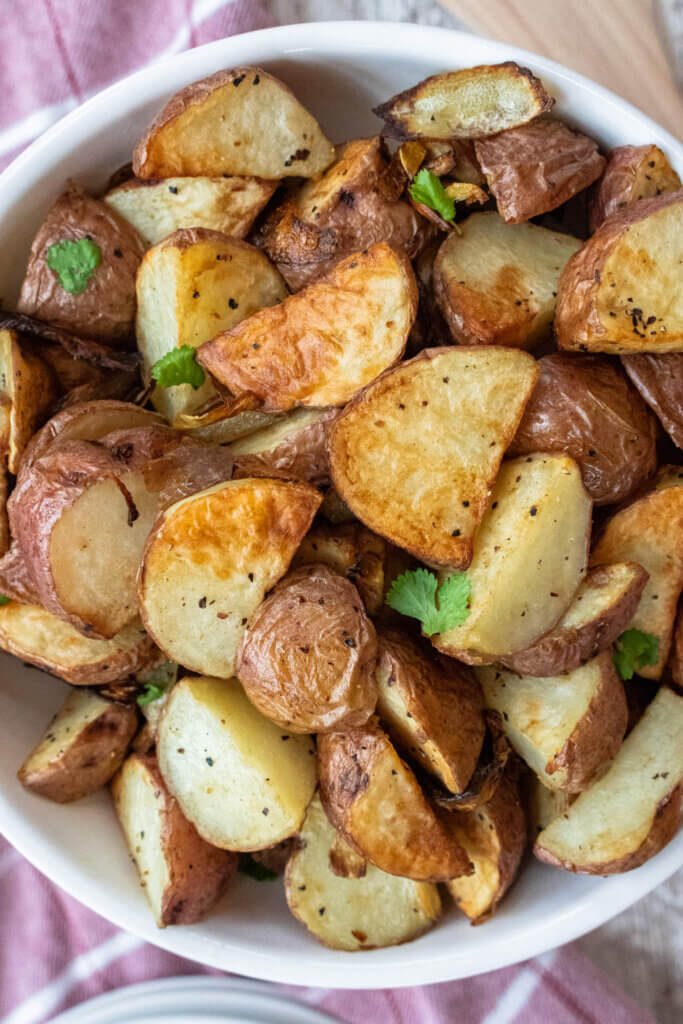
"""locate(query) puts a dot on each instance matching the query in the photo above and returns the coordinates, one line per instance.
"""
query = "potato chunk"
(294, 445)
(496, 283)
(530, 555)
(27, 389)
(434, 431)
(659, 378)
(321, 346)
(633, 811)
(567, 727)
(89, 421)
(632, 173)
(211, 559)
(352, 551)
(81, 748)
(243, 782)
(342, 912)
(182, 875)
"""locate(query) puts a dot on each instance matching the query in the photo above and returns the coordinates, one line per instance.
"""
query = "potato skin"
(307, 656)
(659, 378)
(302, 454)
(631, 173)
(105, 310)
(585, 407)
(537, 167)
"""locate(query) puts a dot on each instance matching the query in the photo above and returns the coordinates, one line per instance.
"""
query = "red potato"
(659, 378)
(631, 173)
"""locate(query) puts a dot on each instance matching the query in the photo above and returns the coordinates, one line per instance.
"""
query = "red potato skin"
(302, 455)
(616, 188)
(659, 379)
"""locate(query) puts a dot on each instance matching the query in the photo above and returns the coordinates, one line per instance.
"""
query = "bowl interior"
(340, 71)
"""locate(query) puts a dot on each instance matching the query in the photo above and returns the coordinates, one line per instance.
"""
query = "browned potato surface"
(408, 431)
(307, 656)
(629, 814)
(467, 104)
(585, 407)
(81, 748)
(182, 875)
(620, 293)
(659, 378)
(27, 389)
(352, 551)
(105, 309)
(631, 173)
(431, 707)
(496, 283)
(89, 421)
(238, 121)
(321, 346)
(373, 798)
(495, 838)
(537, 167)
(295, 445)
(601, 610)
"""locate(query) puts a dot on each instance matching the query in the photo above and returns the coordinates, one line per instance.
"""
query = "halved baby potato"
(352, 551)
(81, 748)
(431, 707)
(238, 121)
(530, 556)
(182, 875)
(565, 727)
(241, 780)
(27, 389)
(372, 797)
(632, 173)
(209, 562)
(294, 445)
(433, 431)
(659, 379)
(633, 811)
(341, 910)
(322, 345)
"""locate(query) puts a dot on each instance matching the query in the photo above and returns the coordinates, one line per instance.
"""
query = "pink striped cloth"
(53, 952)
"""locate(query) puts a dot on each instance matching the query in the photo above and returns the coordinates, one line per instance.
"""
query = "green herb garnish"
(417, 593)
(4, 600)
(74, 263)
(150, 693)
(179, 366)
(428, 190)
(634, 650)
(248, 866)
(157, 682)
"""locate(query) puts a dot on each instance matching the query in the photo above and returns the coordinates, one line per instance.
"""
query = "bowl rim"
(593, 908)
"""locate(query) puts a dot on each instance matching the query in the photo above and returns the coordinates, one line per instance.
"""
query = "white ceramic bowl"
(340, 71)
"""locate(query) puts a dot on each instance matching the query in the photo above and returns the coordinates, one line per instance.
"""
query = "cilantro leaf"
(427, 189)
(179, 366)
(151, 692)
(417, 593)
(248, 866)
(157, 682)
(4, 600)
(633, 650)
(74, 263)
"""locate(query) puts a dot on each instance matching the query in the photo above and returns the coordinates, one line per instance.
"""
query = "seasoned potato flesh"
(341, 912)
(530, 556)
(240, 779)
(496, 283)
(633, 810)
(26, 391)
(210, 560)
(434, 431)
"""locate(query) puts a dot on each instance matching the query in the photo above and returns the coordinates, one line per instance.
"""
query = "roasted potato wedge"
(467, 104)
(4, 523)
(632, 173)
(633, 811)
(530, 555)
(102, 305)
(372, 797)
(321, 346)
(676, 655)
(659, 378)
(295, 445)
(649, 531)
(220, 424)
(454, 157)
(342, 911)
(496, 283)
(307, 656)
(566, 727)
(431, 707)
(242, 121)
(41, 639)
(158, 208)
(190, 287)
(343, 212)
(406, 430)
(537, 167)
(209, 562)
(495, 838)
(27, 389)
(81, 748)
(182, 875)
(243, 782)
(585, 407)
(602, 608)
(620, 293)
(352, 551)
